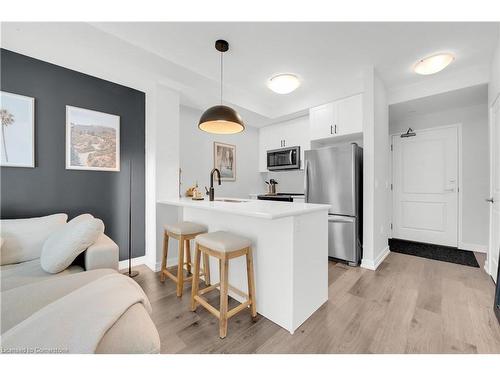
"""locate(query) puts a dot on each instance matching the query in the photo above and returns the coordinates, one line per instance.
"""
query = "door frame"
(457, 126)
(488, 266)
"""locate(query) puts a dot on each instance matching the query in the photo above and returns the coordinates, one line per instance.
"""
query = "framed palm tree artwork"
(17, 114)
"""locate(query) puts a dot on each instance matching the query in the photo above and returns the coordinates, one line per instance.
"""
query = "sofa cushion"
(15, 275)
(24, 238)
(65, 244)
(21, 302)
(133, 333)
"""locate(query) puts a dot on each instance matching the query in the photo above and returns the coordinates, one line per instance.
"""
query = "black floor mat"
(437, 252)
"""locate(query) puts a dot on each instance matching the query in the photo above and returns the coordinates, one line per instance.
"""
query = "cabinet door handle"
(284, 142)
(335, 128)
(331, 129)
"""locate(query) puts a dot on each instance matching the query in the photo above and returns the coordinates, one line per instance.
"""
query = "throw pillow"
(64, 245)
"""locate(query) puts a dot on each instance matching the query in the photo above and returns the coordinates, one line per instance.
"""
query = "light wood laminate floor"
(409, 305)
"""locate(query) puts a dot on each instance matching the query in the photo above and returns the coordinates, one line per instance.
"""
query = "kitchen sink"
(229, 200)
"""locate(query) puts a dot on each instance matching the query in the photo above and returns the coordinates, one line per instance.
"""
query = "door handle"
(490, 200)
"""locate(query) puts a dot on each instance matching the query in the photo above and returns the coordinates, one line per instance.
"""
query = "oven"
(283, 158)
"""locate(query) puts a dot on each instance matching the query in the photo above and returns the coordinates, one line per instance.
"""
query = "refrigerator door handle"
(340, 219)
(306, 181)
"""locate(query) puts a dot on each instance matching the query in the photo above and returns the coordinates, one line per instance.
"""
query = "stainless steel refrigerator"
(333, 175)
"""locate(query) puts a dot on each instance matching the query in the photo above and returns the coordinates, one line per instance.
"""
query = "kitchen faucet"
(211, 192)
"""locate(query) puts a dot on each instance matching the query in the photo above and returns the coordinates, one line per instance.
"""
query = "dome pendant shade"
(221, 119)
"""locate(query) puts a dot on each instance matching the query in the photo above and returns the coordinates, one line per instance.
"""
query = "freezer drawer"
(343, 238)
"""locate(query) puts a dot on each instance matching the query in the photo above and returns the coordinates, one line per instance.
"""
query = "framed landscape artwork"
(225, 161)
(17, 113)
(92, 140)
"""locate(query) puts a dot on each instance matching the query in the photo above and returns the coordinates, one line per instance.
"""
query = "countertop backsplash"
(288, 181)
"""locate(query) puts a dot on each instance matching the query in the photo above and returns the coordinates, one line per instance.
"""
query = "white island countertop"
(249, 207)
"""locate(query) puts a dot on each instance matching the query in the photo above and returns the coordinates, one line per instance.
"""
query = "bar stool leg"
(180, 268)
(188, 256)
(223, 298)
(206, 269)
(251, 283)
(164, 259)
(196, 277)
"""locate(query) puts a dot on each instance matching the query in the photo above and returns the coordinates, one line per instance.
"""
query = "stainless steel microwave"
(283, 158)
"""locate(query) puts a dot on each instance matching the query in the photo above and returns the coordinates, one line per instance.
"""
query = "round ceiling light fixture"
(433, 64)
(283, 83)
(221, 119)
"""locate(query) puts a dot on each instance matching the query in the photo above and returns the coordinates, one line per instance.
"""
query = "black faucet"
(210, 192)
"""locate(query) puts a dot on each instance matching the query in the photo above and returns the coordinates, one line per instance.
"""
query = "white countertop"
(249, 207)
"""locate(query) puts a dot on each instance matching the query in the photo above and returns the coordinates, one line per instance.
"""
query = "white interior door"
(425, 186)
(494, 199)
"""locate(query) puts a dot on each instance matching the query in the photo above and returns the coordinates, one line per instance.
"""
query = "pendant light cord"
(221, 75)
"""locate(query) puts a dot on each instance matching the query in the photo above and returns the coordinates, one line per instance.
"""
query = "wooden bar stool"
(223, 246)
(184, 232)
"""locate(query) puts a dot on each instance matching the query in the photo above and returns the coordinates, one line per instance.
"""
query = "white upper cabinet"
(322, 120)
(285, 134)
(350, 115)
(342, 117)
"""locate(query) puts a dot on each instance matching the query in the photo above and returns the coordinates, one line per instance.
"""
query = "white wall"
(493, 92)
(494, 83)
(382, 160)
(475, 166)
(196, 157)
(163, 151)
(375, 171)
(288, 181)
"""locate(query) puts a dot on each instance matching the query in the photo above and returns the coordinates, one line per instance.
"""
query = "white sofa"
(26, 288)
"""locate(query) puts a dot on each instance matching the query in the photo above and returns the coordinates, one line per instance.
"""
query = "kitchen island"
(290, 250)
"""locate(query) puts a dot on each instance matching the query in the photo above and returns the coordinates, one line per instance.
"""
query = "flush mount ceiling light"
(221, 119)
(433, 64)
(283, 83)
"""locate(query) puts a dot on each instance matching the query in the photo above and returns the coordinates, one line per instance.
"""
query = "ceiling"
(328, 57)
(465, 97)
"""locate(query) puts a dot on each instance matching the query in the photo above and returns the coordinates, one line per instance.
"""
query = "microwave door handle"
(290, 156)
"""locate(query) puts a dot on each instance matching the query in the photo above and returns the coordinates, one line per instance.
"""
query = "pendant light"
(221, 119)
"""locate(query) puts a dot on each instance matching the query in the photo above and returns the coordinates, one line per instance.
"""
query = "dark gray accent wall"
(50, 188)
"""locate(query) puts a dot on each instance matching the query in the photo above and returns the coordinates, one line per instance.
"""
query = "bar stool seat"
(222, 241)
(184, 232)
(186, 227)
(223, 246)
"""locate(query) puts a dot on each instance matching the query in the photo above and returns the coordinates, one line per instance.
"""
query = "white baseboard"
(371, 264)
(473, 247)
(155, 267)
(123, 264)
(494, 270)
